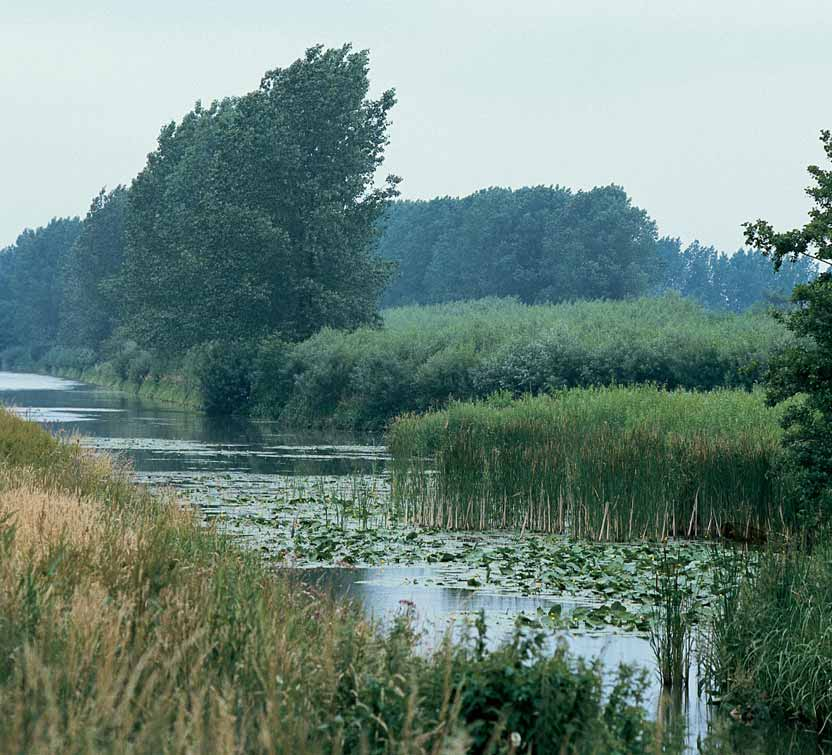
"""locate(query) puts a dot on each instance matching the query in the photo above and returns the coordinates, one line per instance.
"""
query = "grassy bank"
(607, 463)
(772, 646)
(169, 388)
(127, 626)
(422, 357)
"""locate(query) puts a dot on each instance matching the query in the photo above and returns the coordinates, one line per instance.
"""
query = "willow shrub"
(609, 463)
(423, 357)
(126, 626)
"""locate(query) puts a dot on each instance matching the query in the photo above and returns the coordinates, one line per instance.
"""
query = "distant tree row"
(550, 244)
(733, 282)
(31, 284)
(253, 216)
(538, 244)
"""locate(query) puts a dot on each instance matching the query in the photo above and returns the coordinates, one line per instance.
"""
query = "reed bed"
(603, 463)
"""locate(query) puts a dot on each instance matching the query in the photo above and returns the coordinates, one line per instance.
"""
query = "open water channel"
(285, 493)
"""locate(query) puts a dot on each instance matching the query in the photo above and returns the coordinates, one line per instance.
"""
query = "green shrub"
(17, 358)
(224, 375)
(424, 357)
(71, 358)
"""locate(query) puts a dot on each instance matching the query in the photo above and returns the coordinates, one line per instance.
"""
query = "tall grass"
(671, 625)
(125, 626)
(605, 463)
(771, 650)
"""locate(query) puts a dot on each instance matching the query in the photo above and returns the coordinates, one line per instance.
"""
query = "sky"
(707, 112)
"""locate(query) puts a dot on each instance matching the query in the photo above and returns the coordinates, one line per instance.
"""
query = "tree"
(90, 274)
(805, 369)
(256, 215)
(30, 284)
(538, 244)
(725, 282)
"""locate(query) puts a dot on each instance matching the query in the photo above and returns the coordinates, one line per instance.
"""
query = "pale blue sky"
(707, 112)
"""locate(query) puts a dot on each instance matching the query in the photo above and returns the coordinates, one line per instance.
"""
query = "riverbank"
(169, 389)
(126, 622)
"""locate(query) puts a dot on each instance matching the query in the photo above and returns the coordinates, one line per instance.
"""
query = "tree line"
(549, 244)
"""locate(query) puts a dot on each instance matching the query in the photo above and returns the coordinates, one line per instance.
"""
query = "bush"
(224, 374)
(68, 358)
(271, 377)
(17, 358)
(423, 357)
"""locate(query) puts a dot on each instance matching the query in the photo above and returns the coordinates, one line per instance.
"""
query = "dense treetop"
(31, 284)
(255, 214)
(550, 244)
(538, 244)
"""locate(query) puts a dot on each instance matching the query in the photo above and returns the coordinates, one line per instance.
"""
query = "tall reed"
(771, 645)
(672, 625)
(604, 463)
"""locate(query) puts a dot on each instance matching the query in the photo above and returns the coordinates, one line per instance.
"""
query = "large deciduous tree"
(256, 214)
(805, 369)
(539, 244)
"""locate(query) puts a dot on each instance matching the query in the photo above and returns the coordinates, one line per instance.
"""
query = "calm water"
(233, 468)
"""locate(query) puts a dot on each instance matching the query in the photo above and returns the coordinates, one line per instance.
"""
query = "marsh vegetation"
(602, 463)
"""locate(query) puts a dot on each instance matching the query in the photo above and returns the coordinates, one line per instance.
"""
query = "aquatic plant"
(604, 463)
(672, 624)
(770, 652)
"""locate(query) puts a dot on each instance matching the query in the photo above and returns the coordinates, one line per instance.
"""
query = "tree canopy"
(91, 295)
(731, 283)
(541, 243)
(805, 368)
(255, 215)
(31, 284)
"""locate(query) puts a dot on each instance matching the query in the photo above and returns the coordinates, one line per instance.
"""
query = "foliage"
(732, 283)
(223, 373)
(126, 623)
(254, 215)
(539, 244)
(607, 463)
(805, 368)
(425, 356)
(31, 285)
(90, 294)
(549, 244)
